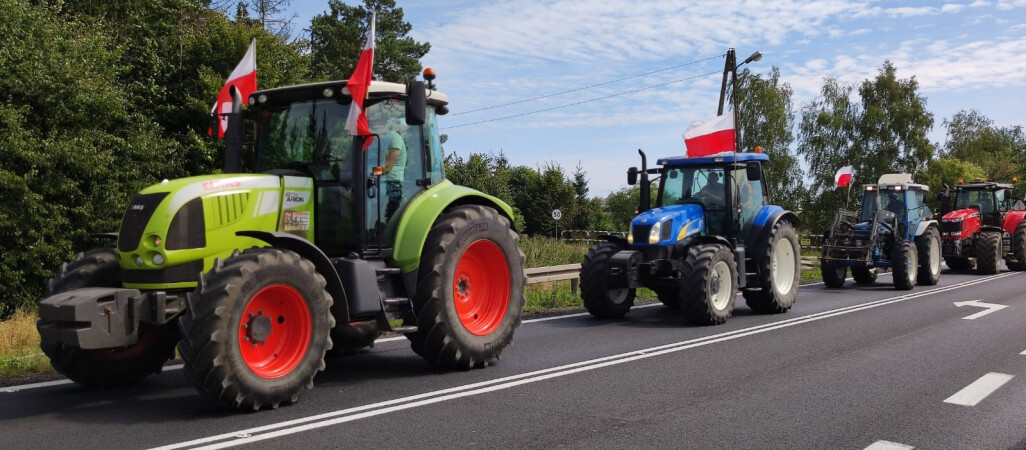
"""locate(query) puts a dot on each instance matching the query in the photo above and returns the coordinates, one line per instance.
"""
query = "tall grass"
(19, 347)
(543, 251)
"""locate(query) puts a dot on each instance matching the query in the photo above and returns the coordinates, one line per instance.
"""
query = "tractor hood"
(959, 215)
(667, 225)
(175, 229)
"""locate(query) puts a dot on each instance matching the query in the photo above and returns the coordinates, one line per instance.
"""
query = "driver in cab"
(712, 193)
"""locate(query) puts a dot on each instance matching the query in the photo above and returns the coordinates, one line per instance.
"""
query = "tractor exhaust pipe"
(646, 188)
(233, 135)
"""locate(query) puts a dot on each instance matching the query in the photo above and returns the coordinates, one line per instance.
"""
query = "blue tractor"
(894, 229)
(711, 234)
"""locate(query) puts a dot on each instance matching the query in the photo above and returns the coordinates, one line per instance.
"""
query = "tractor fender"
(306, 249)
(680, 248)
(422, 212)
(765, 220)
(614, 239)
(992, 228)
(923, 225)
(1012, 220)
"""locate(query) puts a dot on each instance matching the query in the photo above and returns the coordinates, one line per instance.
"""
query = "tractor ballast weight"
(980, 225)
(254, 275)
(703, 242)
(894, 229)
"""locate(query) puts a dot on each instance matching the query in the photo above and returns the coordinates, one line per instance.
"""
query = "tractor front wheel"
(710, 284)
(905, 265)
(988, 252)
(107, 367)
(257, 329)
(928, 246)
(833, 273)
(1017, 259)
(779, 272)
(599, 299)
(470, 289)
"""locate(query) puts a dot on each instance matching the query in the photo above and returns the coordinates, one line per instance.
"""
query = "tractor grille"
(227, 208)
(187, 228)
(641, 233)
(951, 228)
(136, 218)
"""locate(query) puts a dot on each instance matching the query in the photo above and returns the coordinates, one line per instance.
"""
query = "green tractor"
(326, 238)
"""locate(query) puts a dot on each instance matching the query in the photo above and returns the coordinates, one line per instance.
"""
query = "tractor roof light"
(897, 188)
(1015, 179)
(869, 188)
(328, 92)
(429, 73)
(758, 149)
(961, 181)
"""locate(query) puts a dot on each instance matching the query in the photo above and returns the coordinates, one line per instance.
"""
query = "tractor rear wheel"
(257, 329)
(710, 284)
(833, 273)
(349, 338)
(779, 272)
(988, 252)
(928, 247)
(470, 289)
(114, 366)
(1017, 259)
(864, 275)
(905, 265)
(959, 264)
(599, 299)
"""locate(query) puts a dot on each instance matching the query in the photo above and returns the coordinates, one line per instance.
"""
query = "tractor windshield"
(694, 184)
(980, 199)
(302, 132)
(893, 201)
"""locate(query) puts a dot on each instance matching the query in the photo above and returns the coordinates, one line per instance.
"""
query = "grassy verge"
(19, 347)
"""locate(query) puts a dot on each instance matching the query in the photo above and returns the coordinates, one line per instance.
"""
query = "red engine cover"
(1012, 220)
(970, 223)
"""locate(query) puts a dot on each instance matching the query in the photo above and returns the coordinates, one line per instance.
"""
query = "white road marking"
(888, 445)
(12, 389)
(272, 431)
(991, 307)
(978, 390)
(1023, 352)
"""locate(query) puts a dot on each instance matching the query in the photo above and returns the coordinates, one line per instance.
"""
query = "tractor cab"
(988, 199)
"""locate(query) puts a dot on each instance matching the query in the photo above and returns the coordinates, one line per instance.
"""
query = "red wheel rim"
(480, 287)
(274, 333)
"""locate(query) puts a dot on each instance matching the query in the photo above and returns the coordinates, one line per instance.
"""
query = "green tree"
(947, 171)
(825, 141)
(999, 151)
(766, 118)
(337, 38)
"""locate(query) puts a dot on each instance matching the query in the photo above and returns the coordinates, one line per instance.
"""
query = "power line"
(584, 101)
(590, 86)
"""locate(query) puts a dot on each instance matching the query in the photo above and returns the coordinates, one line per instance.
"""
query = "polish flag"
(358, 85)
(244, 79)
(843, 176)
(710, 136)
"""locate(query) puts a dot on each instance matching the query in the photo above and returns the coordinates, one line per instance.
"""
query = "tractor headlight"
(630, 235)
(139, 260)
(653, 236)
(956, 219)
(158, 259)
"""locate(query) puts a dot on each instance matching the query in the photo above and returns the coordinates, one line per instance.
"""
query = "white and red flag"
(843, 176)
(358, 85)
(710, 136)
(244, 78)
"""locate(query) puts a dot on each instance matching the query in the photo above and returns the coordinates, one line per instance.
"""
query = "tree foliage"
(337, 38)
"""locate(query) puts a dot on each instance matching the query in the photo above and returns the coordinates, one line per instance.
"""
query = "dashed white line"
(888, 445)
(978, 390)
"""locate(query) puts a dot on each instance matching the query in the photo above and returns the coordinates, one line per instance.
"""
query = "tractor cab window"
(434, 143)
(982, 200)
(703, 185)
(302, 133)
(889, 200)
(395, 161)
(750, 196)
(1000, 201)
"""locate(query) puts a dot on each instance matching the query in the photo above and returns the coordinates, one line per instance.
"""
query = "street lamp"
(730, 67)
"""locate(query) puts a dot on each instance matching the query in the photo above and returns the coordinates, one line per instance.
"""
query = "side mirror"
(416, 103)
(632, 176)
(754, 171)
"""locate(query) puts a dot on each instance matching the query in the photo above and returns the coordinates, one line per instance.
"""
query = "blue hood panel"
(678, 217)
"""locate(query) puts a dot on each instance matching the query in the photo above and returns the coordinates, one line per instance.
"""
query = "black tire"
(905, 265)
(928, 246)
(864, 275)
(349, 338)
(101, 368)
(988, 252)
(670, 297)
(1017, 259)
(442, 338)
(958, 264)
(211, 345)
(601, 301)
(704, 269)
(833, 273)
(778, 289)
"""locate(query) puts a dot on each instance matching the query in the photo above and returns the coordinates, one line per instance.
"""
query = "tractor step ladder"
(397, 306)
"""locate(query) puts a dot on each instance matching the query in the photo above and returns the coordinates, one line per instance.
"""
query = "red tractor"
(981, 223)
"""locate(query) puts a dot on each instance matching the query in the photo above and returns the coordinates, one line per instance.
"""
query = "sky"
(968, 54)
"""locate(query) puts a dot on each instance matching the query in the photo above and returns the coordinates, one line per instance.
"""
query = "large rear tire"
(1017, 259)
(864, 275)
(102, 368)
(257, 329)
(470, 289)
(905, 265)
(599, 299)
(710, 284)
(779, 272)
(988, 252)
(929, 249)
(833, 273)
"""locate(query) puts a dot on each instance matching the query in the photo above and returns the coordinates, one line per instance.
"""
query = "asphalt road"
(860, 367)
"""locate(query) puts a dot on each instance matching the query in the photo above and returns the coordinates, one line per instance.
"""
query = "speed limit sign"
(557, 214)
